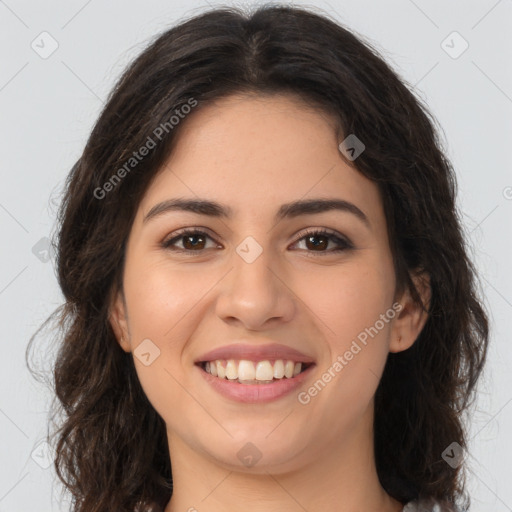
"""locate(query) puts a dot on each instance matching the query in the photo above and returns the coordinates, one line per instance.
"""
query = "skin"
(254, 153)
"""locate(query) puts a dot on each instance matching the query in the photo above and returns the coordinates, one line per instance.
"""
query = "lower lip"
(256, 393)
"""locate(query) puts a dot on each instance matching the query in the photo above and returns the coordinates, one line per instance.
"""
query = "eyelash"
(331, 235)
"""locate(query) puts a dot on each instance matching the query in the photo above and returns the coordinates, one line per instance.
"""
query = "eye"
(316, 240)
(193, 240)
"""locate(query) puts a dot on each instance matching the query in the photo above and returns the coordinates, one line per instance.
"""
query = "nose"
(256, 293)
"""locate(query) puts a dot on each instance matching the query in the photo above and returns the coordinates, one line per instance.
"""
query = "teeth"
(248, 372)
(231, 370)
(221, 370)
(288, 369)
(279, 369)
(264, 371)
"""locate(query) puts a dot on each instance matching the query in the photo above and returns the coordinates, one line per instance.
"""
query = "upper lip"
(252, 352)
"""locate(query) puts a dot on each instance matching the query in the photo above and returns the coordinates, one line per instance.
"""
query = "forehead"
(254, 153)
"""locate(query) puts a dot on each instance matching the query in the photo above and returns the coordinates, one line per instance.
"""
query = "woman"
(267, 288)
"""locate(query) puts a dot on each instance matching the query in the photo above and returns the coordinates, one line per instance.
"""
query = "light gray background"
(48, 106)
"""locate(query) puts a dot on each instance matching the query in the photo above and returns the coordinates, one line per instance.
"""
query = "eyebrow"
(287, 210)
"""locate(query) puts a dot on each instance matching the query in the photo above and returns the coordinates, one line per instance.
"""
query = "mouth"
(249, 372)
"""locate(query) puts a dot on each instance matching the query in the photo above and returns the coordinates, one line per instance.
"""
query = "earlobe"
(118, 321)
(412, 317)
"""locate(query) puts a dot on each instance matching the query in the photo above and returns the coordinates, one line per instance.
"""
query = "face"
(254, 278)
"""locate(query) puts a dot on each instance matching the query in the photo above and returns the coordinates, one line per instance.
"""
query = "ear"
(118, 319)
(412, 317)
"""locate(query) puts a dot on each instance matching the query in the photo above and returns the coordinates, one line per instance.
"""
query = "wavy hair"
(111, 445)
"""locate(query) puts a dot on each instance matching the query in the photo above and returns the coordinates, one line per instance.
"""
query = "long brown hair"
(111, 446)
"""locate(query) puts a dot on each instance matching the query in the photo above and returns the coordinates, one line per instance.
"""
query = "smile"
(254, 381)
(254, 372)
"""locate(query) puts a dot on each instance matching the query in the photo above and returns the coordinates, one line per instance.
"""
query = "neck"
(342, 477)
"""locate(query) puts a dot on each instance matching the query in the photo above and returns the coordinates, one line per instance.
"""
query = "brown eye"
(192, 241)
(318, 241)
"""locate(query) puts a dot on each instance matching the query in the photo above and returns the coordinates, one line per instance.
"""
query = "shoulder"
(430, 505)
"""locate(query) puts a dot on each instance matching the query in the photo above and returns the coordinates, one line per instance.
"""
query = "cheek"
(349, 299)
(163, 306)
(160, 298)
(354, 306)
